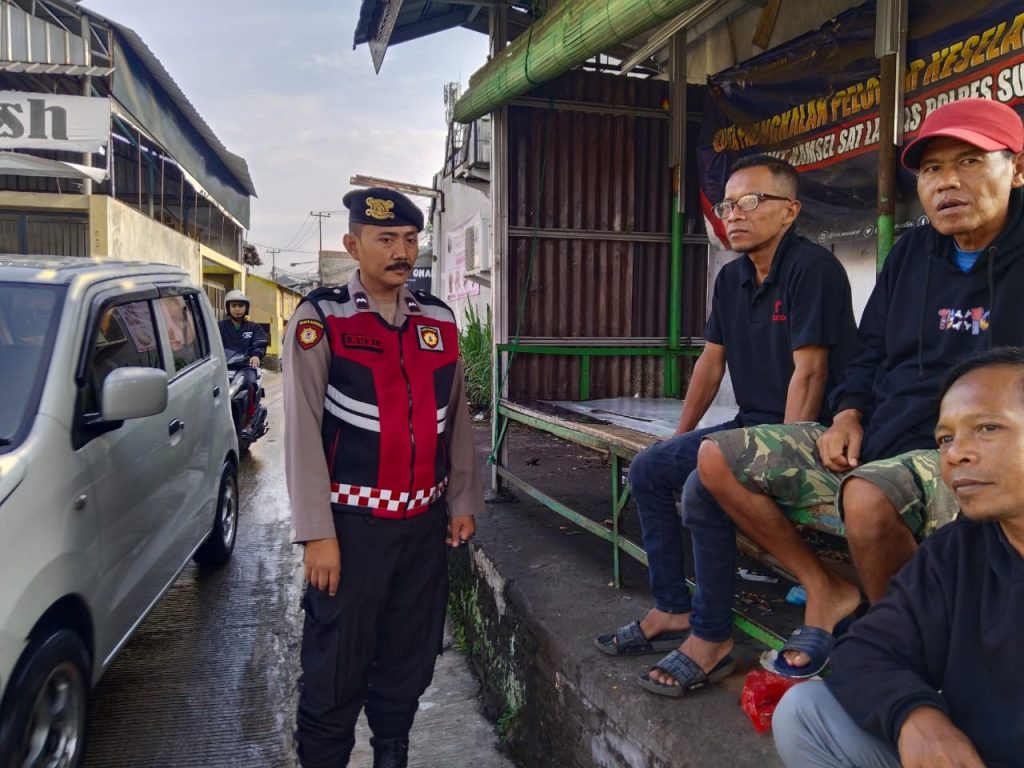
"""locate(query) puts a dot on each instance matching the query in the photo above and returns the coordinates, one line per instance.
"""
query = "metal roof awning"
(565, 37)
(386, 22)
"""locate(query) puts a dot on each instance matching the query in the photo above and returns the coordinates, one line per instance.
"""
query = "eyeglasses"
(745, 203)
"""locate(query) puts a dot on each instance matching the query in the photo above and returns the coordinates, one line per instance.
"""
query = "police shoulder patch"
(429, 338)
(308, 333)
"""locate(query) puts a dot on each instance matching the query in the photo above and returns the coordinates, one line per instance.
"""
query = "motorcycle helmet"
(238, 296)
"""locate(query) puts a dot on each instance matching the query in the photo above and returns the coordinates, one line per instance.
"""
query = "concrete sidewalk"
(450, 729)
(533, 592)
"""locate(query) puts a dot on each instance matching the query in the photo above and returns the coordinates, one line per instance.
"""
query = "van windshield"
(29, 317)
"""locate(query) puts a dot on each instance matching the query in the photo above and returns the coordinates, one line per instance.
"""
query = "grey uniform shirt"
(305, 387)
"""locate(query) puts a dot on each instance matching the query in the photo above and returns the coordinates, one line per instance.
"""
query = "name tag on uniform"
(358, 341)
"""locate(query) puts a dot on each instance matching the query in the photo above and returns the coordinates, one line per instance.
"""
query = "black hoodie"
(924, 315)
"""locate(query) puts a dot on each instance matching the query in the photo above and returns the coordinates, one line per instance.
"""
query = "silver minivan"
(118, 463)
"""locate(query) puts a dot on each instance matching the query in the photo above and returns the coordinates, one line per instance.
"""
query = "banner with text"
(31, 120)
(814, 102)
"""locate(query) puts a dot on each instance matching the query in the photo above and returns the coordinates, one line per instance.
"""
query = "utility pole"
(321, 215)
(273, 263)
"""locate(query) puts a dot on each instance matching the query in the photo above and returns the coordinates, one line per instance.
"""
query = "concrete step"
(531, 594)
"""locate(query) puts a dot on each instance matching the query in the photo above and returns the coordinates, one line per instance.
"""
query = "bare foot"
(704, 652)
(826, 606)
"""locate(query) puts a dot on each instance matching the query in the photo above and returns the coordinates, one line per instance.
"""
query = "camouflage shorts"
(781, 460)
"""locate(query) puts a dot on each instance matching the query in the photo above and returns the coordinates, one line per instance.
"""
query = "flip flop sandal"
(630, 641)
(687, 673)
(815, 642)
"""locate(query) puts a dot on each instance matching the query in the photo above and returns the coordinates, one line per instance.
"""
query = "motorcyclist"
(248, 338)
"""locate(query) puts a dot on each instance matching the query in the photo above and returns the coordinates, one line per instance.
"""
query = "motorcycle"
(238, 392)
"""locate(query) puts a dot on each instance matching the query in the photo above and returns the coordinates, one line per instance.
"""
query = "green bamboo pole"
(563, 38)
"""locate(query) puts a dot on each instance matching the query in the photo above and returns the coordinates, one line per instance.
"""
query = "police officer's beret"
(383, 208)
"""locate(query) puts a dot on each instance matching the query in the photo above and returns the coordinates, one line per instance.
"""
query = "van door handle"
(216, 391)
(175, 426)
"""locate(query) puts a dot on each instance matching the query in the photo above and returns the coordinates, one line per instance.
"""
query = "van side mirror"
(132, 393)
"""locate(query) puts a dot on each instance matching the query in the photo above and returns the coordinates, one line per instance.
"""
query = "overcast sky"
(279, 83)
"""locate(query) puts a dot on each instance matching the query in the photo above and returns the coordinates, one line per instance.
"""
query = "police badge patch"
(308, 333)
(429, 338)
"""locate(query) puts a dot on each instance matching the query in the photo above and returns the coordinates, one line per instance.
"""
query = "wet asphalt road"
(209, 678)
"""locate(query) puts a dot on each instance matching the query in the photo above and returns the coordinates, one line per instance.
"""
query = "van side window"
(184, 330)
(125, 337)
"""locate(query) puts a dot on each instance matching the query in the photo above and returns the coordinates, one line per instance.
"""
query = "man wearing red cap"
(947, 290)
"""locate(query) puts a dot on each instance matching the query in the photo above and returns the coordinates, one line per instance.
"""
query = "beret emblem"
(380, 209)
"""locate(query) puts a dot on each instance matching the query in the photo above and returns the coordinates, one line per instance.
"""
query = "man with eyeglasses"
(781, 318)
(947, 290)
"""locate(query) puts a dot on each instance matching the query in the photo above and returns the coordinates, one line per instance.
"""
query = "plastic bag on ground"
(761, 693)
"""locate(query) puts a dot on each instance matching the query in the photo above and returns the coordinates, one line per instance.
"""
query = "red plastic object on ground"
(761, 693)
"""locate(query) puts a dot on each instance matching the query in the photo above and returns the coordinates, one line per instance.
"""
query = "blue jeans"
(812, 730)
(655, 477)
(713, 537)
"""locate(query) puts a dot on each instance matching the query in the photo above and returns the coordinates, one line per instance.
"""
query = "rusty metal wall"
(586, 173)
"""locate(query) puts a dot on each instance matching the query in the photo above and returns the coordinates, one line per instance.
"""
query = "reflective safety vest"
(386, 404)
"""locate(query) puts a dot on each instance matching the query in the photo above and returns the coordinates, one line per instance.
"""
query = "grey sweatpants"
(812, 730)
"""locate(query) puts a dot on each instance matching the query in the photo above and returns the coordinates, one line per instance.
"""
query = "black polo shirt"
(804, 301)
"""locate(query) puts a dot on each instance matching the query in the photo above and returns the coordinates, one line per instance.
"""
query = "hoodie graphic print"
(924, 315)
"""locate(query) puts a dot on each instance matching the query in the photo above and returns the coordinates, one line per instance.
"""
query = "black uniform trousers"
(373, 644)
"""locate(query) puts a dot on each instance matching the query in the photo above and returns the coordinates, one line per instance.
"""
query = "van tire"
(49, 691)
(219, 545)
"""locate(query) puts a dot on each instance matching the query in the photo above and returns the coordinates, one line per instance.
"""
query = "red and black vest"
(386, 404)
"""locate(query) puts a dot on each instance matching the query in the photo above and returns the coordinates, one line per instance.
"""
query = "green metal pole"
(497, 429)
(675, 299)
(616, 493)
(886, 235)
(584, 377)
(886, 159)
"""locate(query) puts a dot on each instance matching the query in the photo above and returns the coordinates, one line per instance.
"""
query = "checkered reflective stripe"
(385, 499)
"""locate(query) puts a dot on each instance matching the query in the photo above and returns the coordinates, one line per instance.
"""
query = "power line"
(321, 215)
(303, 237)
(273, 262)
(279, 250)
(302, 226)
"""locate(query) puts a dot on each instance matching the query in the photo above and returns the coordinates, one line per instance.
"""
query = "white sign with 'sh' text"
(31, 120)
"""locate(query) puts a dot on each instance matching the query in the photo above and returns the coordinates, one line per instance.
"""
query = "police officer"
(381, 476)
(246, 337)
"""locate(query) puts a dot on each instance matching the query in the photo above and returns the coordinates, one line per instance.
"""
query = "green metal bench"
(621, 445)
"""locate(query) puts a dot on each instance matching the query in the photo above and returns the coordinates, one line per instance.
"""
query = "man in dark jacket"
(947, 290)
(932, 674)
(245, 337)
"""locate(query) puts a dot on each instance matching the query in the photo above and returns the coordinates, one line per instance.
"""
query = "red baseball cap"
(983, 123)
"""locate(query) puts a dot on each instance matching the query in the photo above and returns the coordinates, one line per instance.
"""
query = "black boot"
(390, 753)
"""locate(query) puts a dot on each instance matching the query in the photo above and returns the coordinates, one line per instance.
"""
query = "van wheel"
(219, 545)
(45, 712)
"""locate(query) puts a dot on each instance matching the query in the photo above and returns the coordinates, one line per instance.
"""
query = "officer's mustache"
(396, 265)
